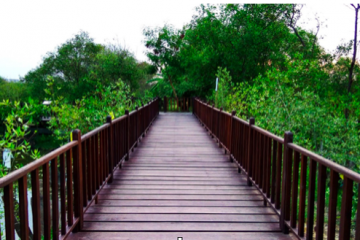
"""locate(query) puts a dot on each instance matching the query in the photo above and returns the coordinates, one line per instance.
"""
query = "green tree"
(69, 65)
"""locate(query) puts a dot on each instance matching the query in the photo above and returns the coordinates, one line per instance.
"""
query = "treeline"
(77, 67)
(269, 68)
(83, 83)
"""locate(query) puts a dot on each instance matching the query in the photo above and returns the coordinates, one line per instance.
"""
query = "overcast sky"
(30, 29)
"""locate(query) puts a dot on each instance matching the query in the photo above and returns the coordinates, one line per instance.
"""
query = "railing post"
(136, 127)
(218, 126)
(127, 138)
(212, 121)
(231, 135)
(143, 119)
(78, 180)
(110, 148)
(286, 183)
(250, 150)
(192, 101)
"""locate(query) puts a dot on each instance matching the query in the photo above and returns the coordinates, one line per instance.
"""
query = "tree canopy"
(246, 39)
(79, 65)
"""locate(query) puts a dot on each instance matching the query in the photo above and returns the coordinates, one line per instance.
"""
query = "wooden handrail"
(16, 175)
(273, 164)
(85, 165)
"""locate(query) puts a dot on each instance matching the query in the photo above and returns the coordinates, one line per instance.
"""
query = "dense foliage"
(246, 39)
(275, 71)
(80, 65)
(84, 81)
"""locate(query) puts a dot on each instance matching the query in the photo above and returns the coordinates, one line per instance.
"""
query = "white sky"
(30, 29)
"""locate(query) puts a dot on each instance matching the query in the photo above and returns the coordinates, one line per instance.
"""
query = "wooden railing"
(274, 165)
(182, 104)
(75, 172)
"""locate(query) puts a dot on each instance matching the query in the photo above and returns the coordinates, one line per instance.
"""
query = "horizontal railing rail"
(69, 178)
(286, 174)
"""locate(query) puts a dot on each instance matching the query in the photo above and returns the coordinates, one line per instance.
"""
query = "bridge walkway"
(179, 183)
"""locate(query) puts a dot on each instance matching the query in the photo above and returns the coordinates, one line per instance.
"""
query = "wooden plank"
(69, 184)
(23, 208)
(334, 187)
(177, 187)
(130, 182)
(194, 210)
(183, 191)
(302, 197)
(55, 199)
(9, 212)
(180, 173)
(181, 226)
(311, 199)
(178, 169)
(295, 189)
(346, 205)
(63, 194)
(177, 203)
(35, 185)
(228, 197)
(46, 201)
(320, 202)
(273, 218)
(184, 235)
(176, 178)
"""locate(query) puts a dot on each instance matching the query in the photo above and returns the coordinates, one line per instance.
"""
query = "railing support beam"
(250, 151)
(286, 183)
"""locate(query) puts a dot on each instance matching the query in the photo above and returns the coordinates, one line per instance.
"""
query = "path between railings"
(179, 183)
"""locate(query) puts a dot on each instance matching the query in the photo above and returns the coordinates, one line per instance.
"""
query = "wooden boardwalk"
(179, 183)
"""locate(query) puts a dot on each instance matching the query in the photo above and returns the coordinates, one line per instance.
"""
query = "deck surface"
(179, 183)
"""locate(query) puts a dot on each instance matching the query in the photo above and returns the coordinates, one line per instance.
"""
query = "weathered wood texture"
(179, 183)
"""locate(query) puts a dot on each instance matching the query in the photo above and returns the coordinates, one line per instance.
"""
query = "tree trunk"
(172, 86)
(353, 58)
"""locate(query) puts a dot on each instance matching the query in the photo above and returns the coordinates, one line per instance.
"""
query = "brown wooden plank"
(227, 197)
(183, 191)
(55, 199)
(177, 203)
(181, 226)
(184, 235)
(223, 210)
(177, 178)
(334, 186)
(23, 208)
(46, 201)
(69, 186)
(346, 205)
(9, 212)
(63, 194)
(177, 217)
(177, 187)
(230, 182)
(35, 185)
(311, 199)
(295, 189)
(83, 149)
(320, 202)
(303, 174)
(278, 175)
